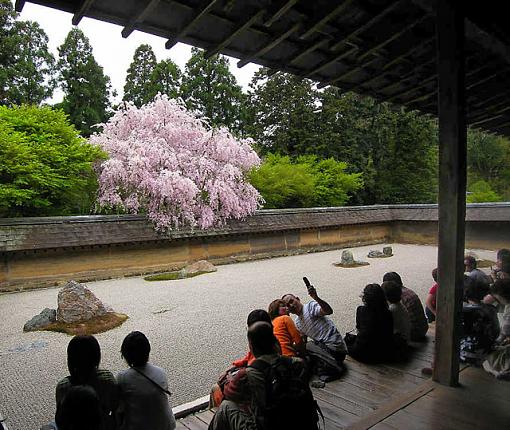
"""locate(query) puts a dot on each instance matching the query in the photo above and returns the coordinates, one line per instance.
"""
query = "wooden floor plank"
(341, 402)
(205, 416)
(339, 417)
(193, 423)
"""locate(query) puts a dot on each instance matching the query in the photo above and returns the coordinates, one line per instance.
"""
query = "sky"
(111, 50)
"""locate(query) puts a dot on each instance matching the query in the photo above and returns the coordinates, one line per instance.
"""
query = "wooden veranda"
(448, 58)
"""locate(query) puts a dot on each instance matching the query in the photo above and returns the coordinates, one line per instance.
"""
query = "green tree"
(166, 79)
(480, 192)
(45, 167)
(304, 182)
(140, 88)
(31, 79)
(209, 88)
(282, 114)
(8, 47)
(87, 89)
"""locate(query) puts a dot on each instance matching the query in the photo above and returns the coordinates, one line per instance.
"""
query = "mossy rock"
(171, 276)
(353, 265)
(92, 326)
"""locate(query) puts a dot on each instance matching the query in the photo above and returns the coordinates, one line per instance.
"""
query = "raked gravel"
(196, 326)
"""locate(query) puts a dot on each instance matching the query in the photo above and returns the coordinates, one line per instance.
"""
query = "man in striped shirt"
(327, 347)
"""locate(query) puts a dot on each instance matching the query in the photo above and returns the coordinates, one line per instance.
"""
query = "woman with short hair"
(143, 389)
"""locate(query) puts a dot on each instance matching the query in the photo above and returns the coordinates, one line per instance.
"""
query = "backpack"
(289, 400)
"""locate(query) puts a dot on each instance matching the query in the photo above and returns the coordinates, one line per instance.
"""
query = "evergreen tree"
(282, 117)
(166, 78)
(8, 47)
(210, 89)
(139, 87)
(32, 76)
(87, 89)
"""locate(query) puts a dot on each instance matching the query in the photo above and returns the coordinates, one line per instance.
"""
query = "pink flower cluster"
(167, 163)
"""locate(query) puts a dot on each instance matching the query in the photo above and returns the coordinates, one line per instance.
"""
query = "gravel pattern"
(196, 326)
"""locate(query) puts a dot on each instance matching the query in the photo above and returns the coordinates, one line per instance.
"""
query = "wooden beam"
(347, 73)
(328, 62)
(282, 10)
(266, 48)
(82, 10)
(130, 27)
(486, 79)
(19, 5)
(240, 28)
(329, 16)
(344, 38)
(491, 118)
(452, 189)
(475, 115)
(309, 48)
(480, 103)
(407, 53)
(198, 13)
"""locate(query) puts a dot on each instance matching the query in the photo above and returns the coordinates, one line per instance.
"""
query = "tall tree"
(32, 76)
(139, 87)
(209, 88)
(8, 47)
(166, 78)
(282, 117)
(87, 89)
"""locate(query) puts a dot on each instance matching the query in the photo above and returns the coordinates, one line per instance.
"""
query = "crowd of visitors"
(269, 388)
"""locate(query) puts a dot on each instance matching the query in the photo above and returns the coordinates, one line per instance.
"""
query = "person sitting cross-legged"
(327, 348)
(143, 389)
(285, 330)
(271, 393)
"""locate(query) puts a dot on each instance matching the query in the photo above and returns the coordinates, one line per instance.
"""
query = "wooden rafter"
(240, 28)
(409, 52)
(267, 47)
(198, 13)
(497, 98)
(490, 118)
(308, 49)
(82, 10)
(328, 62)
(344, 38)
(282, 10)
(131, 26)
(373, 49)
(329, 16)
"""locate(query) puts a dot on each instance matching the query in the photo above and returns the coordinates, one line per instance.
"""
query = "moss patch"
(171, 276)
(485, 263)
(349, 266)
(92, 326)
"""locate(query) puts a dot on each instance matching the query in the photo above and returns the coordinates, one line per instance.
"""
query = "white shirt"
(401, 322)
(319, 327)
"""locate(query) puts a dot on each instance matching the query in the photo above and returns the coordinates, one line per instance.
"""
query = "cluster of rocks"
(75, 303)
(386, 252)
(349, 261)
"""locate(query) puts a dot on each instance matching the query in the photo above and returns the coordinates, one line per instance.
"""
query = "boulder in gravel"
(41, 321)
(77, 303)
(201, 266)
(347, 257)
(375, 254)
(387, 251)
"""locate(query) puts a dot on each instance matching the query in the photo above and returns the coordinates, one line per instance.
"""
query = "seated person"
(216, 395)
(498, 361)
(143, 389)
(480, 326)
(430, 302)
(401, 323)
(327, 349)
(83, 358)
(473, 272)
(80, 410)
(374, 341)
(502, 259)
(285, 330)
(253, 400)
(414, 307)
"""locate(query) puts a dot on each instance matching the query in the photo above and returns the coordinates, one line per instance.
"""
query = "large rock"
(387, 251)
(41, 321)
(375, 254)
(347, 258)
(77, 303)
(200, 266)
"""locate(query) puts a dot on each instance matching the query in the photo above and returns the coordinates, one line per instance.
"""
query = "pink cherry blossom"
(169, 164)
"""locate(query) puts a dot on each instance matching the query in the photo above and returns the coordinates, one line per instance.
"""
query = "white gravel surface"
(196, 326)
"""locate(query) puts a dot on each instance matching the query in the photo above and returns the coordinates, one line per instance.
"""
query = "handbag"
(152, 381)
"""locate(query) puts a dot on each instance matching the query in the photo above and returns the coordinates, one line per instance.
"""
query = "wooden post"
(452, 188)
